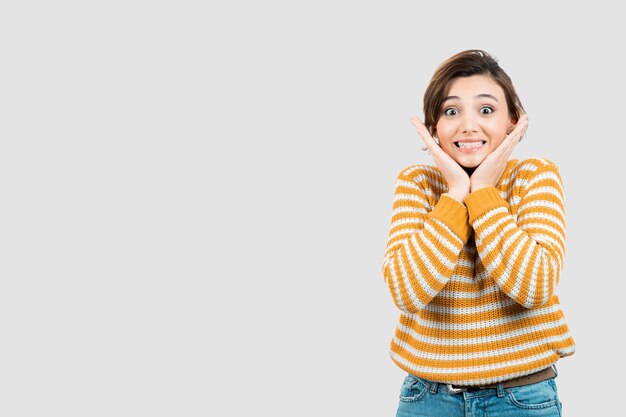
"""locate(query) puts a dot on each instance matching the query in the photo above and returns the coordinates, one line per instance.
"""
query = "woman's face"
(474, 120)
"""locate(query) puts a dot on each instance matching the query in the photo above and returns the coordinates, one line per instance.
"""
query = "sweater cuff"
(454, 215)
(481, 201)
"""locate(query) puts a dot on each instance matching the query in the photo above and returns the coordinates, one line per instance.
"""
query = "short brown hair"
(465, 64)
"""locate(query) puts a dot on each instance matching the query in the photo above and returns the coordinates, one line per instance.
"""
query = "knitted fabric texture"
(475, 281)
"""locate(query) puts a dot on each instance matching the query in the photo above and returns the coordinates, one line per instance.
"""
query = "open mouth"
(470, 145)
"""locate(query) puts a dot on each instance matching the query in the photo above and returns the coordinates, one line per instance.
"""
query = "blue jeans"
(419, 397)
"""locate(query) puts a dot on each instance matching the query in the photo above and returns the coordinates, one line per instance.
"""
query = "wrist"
(458, 195)
(476, 187)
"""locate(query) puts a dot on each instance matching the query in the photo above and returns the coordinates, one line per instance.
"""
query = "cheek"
(445, 133)
(499, 129)
(495, 143)
(444, 130)
(446, 146)
(497, 134)
(497, 137)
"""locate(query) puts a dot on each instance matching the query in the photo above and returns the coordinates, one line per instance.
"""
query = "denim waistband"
(477, 391)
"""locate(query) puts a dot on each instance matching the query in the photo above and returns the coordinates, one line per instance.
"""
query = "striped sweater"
(475, 281)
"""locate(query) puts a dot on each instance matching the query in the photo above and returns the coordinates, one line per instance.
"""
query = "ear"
(512, 123)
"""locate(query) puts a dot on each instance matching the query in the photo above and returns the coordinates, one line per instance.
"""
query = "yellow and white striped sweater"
(475, 282)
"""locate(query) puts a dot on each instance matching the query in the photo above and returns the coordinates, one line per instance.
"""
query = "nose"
(469, 123)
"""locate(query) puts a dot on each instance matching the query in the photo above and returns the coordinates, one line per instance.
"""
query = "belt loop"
(500, 389)
(433, 387)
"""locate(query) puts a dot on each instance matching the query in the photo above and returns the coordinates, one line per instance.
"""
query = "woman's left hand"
(490, 170)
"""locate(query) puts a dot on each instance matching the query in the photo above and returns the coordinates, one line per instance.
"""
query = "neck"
(469, 171)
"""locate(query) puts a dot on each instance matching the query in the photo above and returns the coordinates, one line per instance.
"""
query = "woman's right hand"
(456, 177)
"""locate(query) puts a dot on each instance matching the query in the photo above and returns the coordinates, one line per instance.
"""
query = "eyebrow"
(477, 96)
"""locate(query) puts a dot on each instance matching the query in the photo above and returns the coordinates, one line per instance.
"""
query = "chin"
(469, 164)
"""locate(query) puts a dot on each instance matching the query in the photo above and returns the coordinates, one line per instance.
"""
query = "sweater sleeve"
(424, 242)
(524, 254)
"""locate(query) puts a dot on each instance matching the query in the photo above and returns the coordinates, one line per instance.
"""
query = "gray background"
(195, 198)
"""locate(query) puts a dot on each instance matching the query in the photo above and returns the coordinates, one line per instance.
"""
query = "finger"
(514, 137)
(423, 132)
(520, 129)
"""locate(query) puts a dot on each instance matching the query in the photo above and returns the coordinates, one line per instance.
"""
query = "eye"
(486, 110)
(451, 111)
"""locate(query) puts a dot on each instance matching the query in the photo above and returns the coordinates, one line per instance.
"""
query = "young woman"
(474, 255)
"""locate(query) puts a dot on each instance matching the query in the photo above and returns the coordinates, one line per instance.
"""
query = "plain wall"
(195, 198)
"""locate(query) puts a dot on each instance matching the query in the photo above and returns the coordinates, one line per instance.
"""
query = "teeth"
(469, 145)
